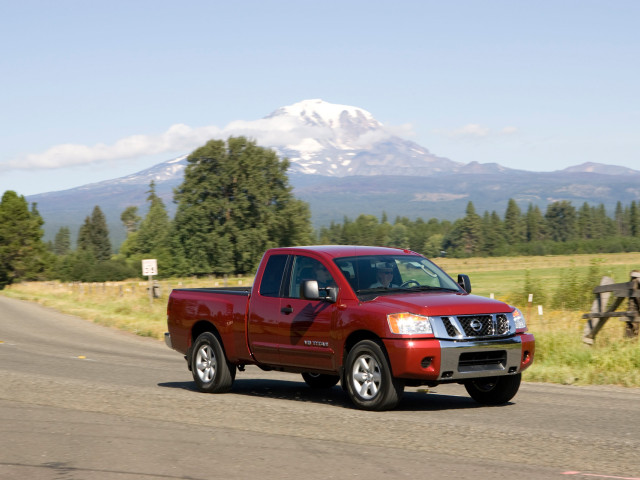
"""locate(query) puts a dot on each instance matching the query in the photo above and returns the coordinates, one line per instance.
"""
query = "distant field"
(561, 357)
(503, 276)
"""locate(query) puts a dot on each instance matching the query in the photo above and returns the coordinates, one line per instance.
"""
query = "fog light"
(426, 362)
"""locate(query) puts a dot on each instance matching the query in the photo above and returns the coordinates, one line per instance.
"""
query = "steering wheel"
(409, 282)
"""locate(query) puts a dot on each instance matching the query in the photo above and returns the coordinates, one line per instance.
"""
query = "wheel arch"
(200, 327)
(357, 336)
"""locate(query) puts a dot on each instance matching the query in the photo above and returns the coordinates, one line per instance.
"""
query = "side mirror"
(309, 290)
(464, 282)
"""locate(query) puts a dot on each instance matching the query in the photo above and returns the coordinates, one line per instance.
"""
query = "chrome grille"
(475, 326)
(502, 325)
(451, 328)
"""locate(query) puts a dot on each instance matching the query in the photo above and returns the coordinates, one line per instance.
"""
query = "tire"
(209, 367)
(319, 380)
(494, 390)
(369, 380)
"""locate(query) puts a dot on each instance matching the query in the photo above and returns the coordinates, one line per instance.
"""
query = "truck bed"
(224, 307)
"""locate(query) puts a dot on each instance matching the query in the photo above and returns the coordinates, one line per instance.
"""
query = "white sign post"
(149, 269)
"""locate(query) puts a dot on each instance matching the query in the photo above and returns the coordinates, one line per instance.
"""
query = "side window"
(348, 269)
(305, 268)
(272, 277)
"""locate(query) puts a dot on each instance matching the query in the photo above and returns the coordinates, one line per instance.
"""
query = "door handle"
(287, 310)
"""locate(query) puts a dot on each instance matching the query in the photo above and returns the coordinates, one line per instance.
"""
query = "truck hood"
(440, 303)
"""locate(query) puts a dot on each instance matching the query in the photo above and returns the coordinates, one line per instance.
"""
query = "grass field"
(561, 356)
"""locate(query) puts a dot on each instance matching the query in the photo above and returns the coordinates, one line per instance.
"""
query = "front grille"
(477, 325)
(502, 325)
(471, 361)
(474, 326)
(452, 331)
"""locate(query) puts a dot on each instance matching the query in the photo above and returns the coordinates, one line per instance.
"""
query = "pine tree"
(100, 235)
(494, 237)
(535, 224)
(399, 236)
(622, 225)
(584, 222)
(154, 230)
(234, 203)
(602, 225)
(130, 219)
(634, 220)
(471, 231)
(93, 236)
(62, 242)
(23, 256)
(364, 231)
(84, 237)
(514, 228)
(465, 238)
(561, 221)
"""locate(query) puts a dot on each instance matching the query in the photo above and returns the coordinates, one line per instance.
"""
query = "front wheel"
(369, 381)
(493, 390)
(209, 367)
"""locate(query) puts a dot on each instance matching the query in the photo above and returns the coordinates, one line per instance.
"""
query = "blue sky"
(93, 90)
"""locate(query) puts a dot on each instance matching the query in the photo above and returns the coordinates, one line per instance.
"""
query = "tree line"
(236, 201)
(562, 229)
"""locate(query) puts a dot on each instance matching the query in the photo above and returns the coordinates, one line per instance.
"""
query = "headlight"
(409, 324)
(519, 320)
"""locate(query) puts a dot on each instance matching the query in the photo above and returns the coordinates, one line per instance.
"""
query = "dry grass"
(123, 305)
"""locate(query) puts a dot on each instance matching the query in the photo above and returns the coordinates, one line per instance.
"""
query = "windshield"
(393, 274)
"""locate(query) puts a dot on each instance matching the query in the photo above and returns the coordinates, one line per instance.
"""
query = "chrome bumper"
(490, 358)
(167, 339)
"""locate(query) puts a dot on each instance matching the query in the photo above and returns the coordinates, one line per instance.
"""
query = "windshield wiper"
(425, 288)
(429, 287)
(375, 290)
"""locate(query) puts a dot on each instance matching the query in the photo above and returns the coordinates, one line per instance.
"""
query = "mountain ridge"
(343, 162)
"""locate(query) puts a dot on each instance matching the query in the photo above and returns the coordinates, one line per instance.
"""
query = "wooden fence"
(604, 306)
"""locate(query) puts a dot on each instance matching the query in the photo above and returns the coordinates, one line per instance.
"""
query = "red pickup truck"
(373, 318)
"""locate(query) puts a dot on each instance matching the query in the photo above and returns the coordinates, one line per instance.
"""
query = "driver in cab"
(384, 275)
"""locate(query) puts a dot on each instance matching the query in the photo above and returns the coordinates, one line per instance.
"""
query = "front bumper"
(447, 360)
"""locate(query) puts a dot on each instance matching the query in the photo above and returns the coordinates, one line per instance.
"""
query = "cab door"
(263, 329)
(305, 326)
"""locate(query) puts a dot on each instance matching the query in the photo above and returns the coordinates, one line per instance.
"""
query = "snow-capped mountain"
(321, 138)
(345, 162)
(339, 140)
(168, 171)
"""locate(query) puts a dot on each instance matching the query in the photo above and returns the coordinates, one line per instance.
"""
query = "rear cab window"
(271, 284)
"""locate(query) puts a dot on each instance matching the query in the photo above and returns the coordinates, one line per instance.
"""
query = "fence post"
(632, 327)
(599, 305)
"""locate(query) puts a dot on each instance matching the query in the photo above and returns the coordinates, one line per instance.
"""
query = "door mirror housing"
(464, 282)
(309, 290)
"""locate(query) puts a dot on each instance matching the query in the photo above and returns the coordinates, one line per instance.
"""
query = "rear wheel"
(369, 381)
(493, 390)
(319, 380)
(211, 371)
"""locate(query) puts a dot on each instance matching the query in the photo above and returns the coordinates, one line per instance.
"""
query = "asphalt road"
(81, 401)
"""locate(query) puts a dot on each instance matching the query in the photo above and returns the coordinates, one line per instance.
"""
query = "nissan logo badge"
(476, 325)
